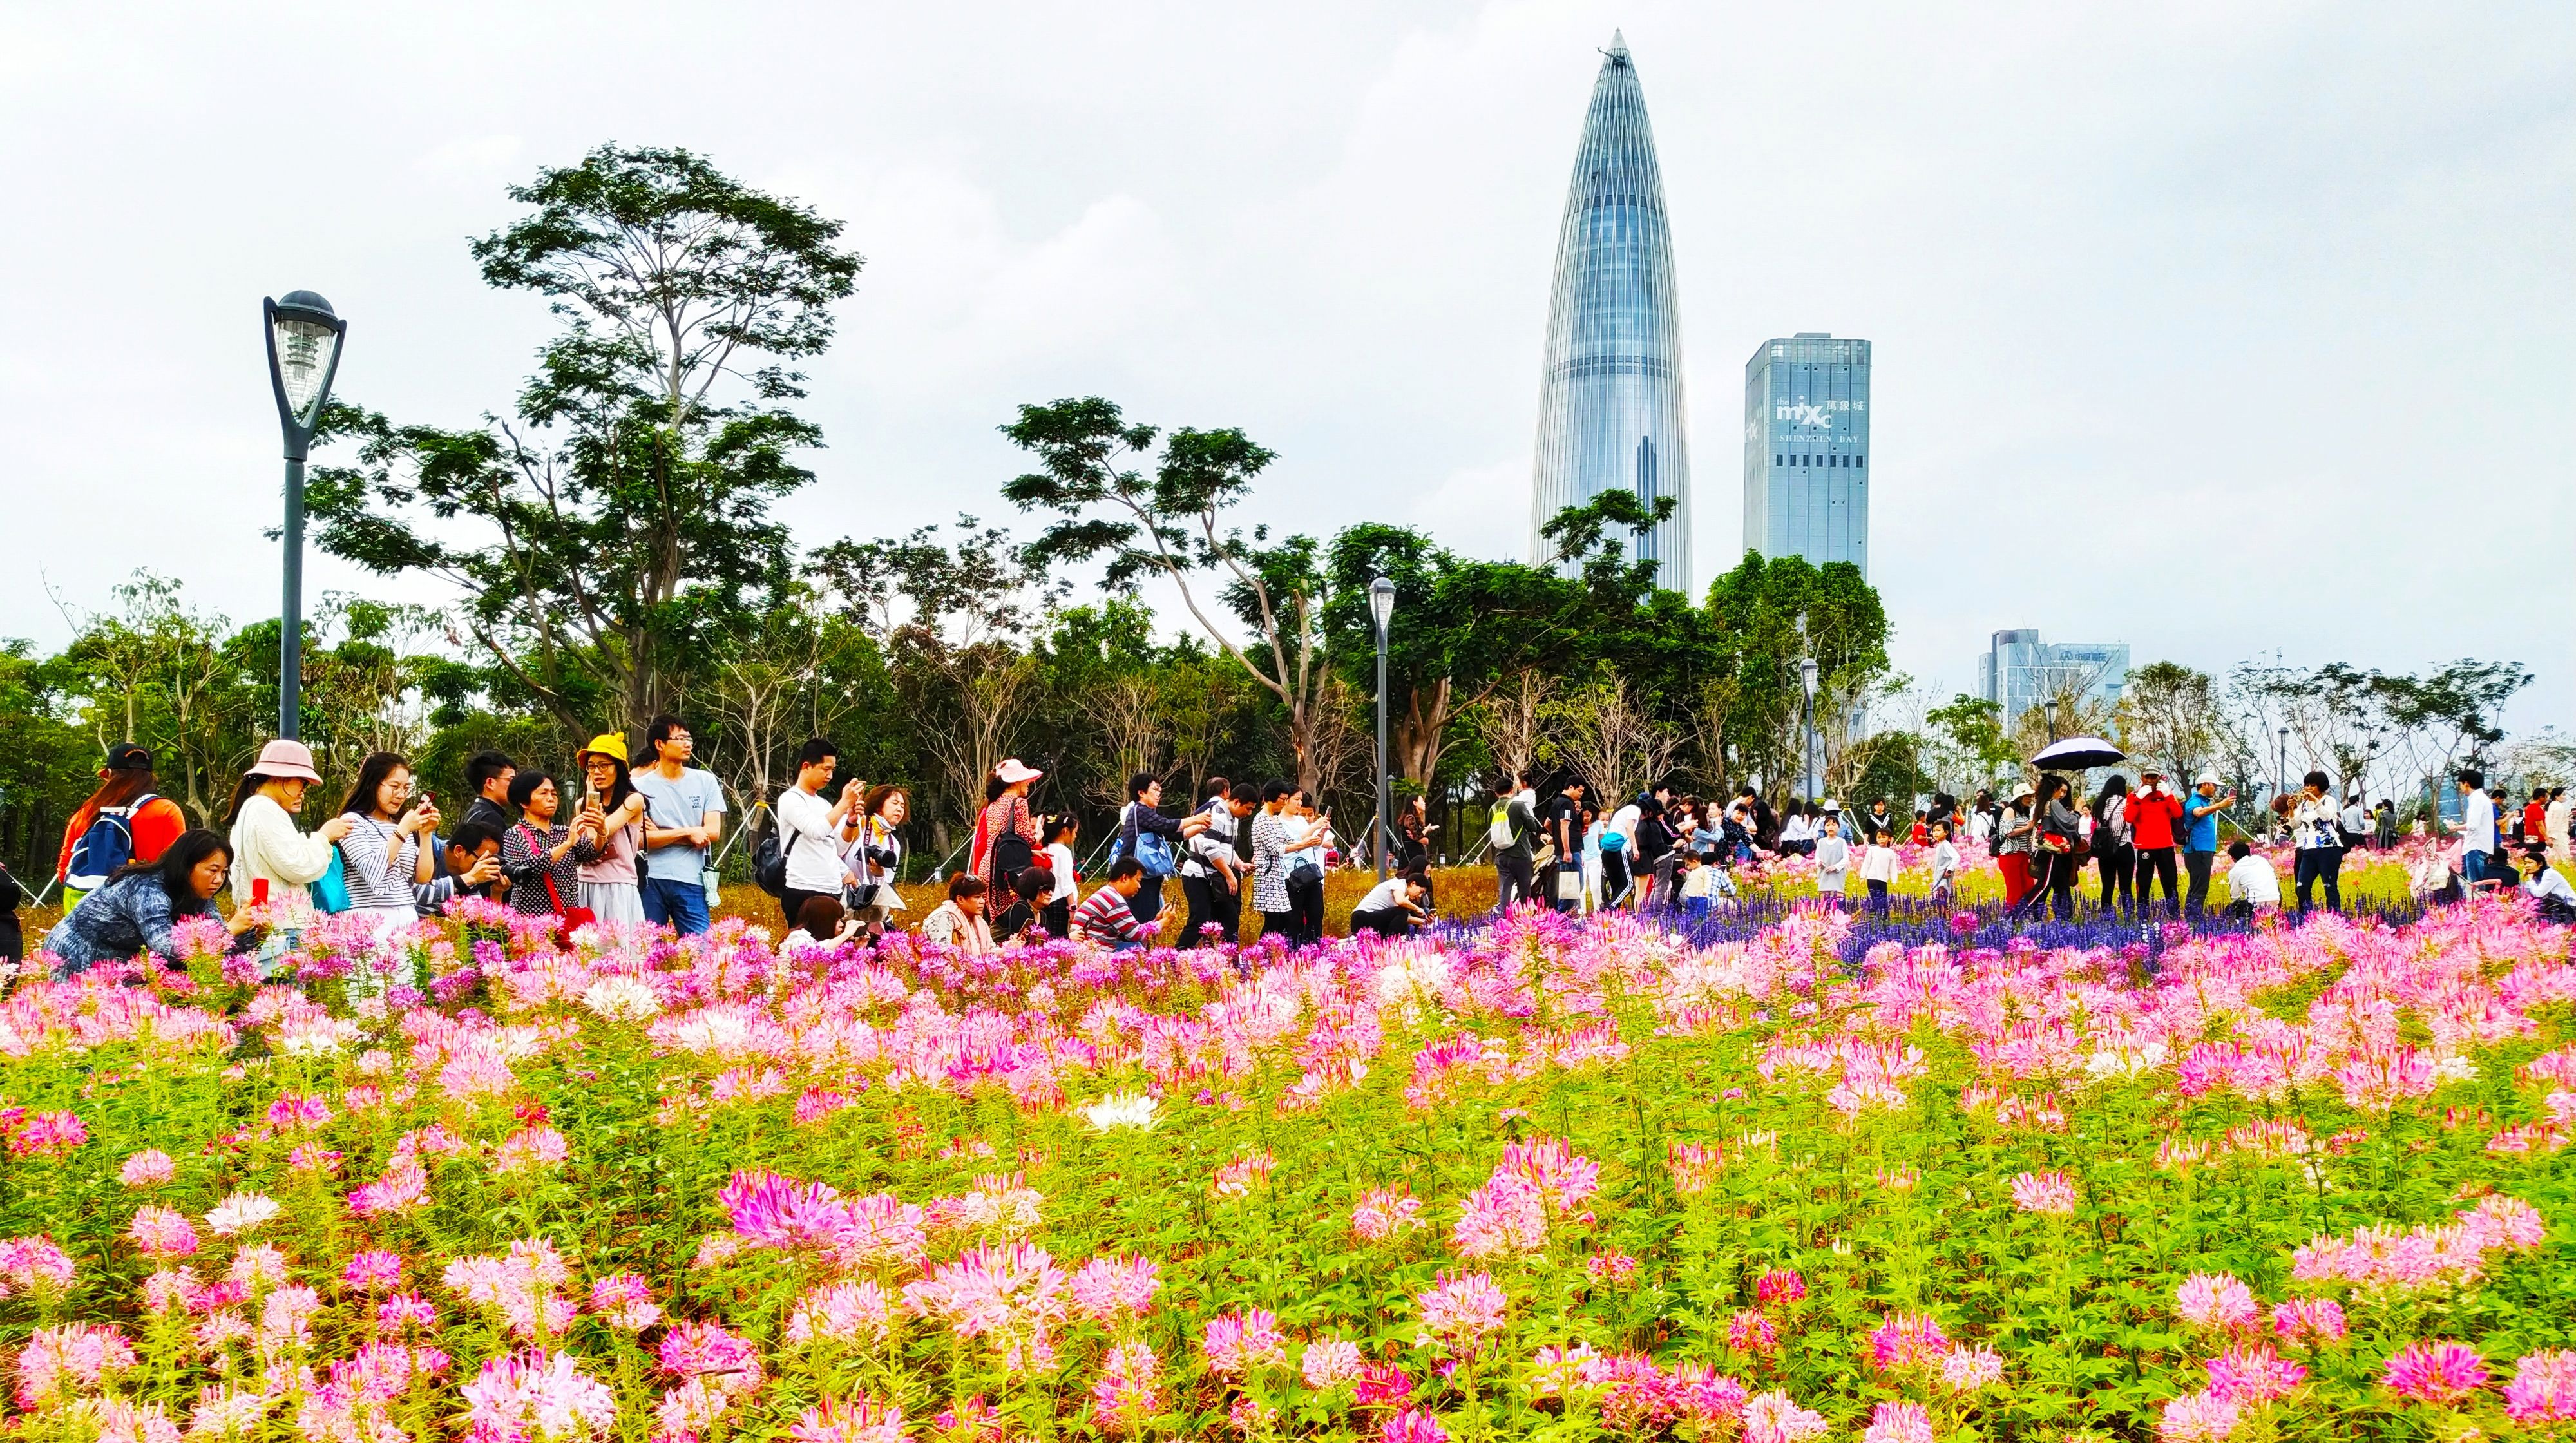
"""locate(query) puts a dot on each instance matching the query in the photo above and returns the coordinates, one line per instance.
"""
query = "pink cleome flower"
(1127, 1393)
(2216, 1300)
(77, 1355)
(1463, 1307)
(1771, 1418)
(148, 1168)
(625, 1301)
(864, 1420)
(2253, 1374)
(1780, 1285)
(2314, 1320)
(1238, 1343)
(1412, 1426)
(2436, 1372)
(1330, 1362)
(2202, 1417)
(2050, 1193)
(1968, 1369)
(1898, 1423)
(160, 1232)
(1750, 1332)
(844, 1312)
(2543, 1389)
(370, 1269)
(1906, 1340)
(1384, 1212)
(532, 1396)
(1109, 1286)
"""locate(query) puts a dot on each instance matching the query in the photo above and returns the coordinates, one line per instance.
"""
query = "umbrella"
(2077, 753)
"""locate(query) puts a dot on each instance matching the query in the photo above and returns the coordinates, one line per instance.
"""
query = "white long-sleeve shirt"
(1878, 864)
(2253, 880)
(1945, 862)
(267, 847)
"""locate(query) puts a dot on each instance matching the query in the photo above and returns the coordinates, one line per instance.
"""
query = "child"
(1104, 916)
(1833, 857)
(1057, 855)
(1878, 866)
(821, 926)
(1393, 907)
(2252, 885)
(1922, 826)
(1694, 884)
(1945, 864)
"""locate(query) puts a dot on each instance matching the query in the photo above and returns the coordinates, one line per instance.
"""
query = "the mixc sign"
(1819, 415)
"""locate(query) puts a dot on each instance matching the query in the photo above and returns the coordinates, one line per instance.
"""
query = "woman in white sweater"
(272, 861)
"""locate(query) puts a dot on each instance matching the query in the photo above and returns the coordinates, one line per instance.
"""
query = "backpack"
(1501, 831)
(330, 892)
(105, 847)
(1152, 850)
(769, 862)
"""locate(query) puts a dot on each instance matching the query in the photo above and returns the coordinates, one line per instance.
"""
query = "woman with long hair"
(614, 812)
(872, 855)
(1006, 831)
(2055, 828)
(136, 912)
(391, 844)
(541, 856)
(125, 820)
(2111, 851)
(273, 863)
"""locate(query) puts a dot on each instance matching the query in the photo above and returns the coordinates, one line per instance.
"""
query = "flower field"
(1788, 1177)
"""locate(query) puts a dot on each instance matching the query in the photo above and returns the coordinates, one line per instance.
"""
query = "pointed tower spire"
(1610, 399)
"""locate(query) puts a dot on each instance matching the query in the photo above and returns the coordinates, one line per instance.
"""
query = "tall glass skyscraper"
(1806, 449)
(1610, 408)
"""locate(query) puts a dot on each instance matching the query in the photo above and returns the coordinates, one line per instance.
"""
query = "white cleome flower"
(1121, 1109)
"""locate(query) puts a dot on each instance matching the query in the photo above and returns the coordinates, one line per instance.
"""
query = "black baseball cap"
(126, 757)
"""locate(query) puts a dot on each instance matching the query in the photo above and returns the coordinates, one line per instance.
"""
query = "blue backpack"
(105, 847)
(1152, 850)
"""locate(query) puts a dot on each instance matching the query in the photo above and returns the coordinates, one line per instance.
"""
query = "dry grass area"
(1460, 892)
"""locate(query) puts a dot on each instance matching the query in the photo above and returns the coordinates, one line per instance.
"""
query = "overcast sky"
(2213, 328)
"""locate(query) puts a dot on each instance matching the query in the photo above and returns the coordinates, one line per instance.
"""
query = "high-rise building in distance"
(1610, 407)
(1806, 449)
(2017, 670)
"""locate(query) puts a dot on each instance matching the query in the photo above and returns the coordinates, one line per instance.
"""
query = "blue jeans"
(2473, 867)
(669, 901)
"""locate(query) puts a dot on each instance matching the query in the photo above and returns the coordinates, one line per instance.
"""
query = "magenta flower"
(1706, 1396)
(1412, 1426)
(2216, 1300)
(1381, 1385)
(401, 1310)
(372, 1269)
(1237, 1343)
(77, 1355)
(2543, 1389)
(1780, 1285)
(48, 1134)
(1750, 1332)
(706, 1350)
(1507, 1215)
(1906, 1340)
(625, 1301)
(2436, 1372)
(404, 1186)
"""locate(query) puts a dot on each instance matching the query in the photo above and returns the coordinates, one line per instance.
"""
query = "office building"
(1806, 449)
(2017, 669)
(1610, 406)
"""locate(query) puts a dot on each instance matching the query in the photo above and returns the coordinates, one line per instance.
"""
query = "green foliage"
(621, 520)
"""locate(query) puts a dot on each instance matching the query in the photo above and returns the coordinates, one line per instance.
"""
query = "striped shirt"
(1107, 918)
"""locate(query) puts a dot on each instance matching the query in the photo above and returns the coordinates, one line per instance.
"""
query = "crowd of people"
(613, 843)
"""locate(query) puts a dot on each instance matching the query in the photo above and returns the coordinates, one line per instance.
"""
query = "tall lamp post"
(1381, 607)
(304, 336)
(1807, 782)
(2281, 762)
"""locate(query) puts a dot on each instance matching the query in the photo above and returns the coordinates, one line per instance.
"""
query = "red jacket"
(2153, 820)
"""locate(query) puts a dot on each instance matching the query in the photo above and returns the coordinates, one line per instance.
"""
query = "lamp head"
(1381, 596)
(304, 336)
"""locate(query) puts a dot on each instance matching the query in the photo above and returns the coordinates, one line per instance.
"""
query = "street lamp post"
(2281, 765)
(304, 336)
(1807, 782)
(1381, 595)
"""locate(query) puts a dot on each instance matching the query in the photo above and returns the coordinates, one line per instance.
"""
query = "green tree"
(1973, 727)
(621, 521)
(1259, 601)
(1771, 613)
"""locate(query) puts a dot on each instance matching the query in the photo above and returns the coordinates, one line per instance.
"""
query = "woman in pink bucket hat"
(272, 861)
